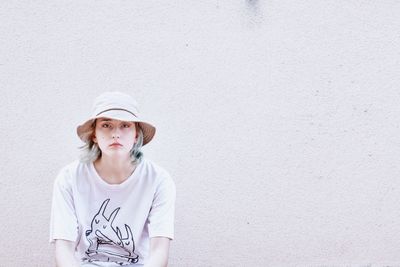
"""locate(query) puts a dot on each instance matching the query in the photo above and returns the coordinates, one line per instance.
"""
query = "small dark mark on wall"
(254, 13)
(252, 2)
(253, 5)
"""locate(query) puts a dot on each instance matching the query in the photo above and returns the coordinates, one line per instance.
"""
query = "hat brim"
(84, 130)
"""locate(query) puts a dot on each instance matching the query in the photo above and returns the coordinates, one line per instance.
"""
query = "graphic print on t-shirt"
(107, 242)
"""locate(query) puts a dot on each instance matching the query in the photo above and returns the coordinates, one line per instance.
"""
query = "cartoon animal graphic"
(107, 242)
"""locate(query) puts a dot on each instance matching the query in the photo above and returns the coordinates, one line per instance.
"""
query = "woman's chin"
(117, 154)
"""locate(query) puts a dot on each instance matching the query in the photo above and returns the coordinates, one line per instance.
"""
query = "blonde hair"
(90, 151)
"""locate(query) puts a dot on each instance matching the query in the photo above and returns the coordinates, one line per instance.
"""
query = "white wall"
(279, 121)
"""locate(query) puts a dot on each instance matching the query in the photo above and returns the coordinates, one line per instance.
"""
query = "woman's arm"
(159, 251)
(65, 253)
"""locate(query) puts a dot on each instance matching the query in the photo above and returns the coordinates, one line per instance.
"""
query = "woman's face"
(115, 137)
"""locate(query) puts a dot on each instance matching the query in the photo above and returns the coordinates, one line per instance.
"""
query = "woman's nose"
(115, 133)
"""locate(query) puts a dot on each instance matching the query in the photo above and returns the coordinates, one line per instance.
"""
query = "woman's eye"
(106, 125)
(126, 125)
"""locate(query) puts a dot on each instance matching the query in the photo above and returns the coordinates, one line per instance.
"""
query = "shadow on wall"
(254, 10)
(254, 6)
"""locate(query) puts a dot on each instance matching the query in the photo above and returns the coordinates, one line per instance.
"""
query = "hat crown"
(114, 100)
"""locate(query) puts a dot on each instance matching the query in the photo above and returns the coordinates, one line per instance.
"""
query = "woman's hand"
(65, 253)
(159, 250)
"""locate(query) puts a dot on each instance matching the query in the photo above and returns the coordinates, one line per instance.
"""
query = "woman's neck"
(114, 171)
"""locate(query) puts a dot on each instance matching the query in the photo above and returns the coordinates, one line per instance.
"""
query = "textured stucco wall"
(279, 121)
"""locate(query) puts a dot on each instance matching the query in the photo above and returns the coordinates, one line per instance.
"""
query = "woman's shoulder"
(73, 166)
(154, 170)
(71, 170)
(159, 177)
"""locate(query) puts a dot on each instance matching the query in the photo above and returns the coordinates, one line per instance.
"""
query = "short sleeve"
(162, 212)
(63, 221)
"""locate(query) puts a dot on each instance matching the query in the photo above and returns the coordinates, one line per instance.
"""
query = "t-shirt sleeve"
(63, 222)
(162, 212)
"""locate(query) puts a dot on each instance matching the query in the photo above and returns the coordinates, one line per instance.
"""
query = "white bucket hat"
(118, 106)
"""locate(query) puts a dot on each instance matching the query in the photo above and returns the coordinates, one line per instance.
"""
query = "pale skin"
(115, 139)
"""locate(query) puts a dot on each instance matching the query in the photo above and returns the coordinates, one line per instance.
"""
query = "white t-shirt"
(112, 223)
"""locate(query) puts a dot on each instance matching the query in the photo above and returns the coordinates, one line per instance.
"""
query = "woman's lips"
(116, 144)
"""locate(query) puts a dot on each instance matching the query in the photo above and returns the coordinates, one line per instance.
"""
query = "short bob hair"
(90, 151)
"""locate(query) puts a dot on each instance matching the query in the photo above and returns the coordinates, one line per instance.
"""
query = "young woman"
(113, 207)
